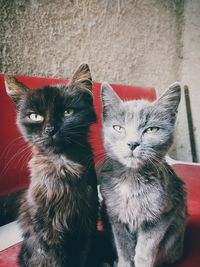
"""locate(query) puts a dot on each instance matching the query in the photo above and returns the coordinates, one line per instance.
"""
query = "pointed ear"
(82, 77)
(15, 89)
(110, 99)
(170, 99)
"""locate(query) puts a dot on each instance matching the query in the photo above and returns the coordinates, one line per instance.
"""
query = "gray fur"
(144, 199)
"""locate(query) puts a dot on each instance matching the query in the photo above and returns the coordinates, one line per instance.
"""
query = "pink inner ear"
(82, 75)
(14, 88)
(170, 99)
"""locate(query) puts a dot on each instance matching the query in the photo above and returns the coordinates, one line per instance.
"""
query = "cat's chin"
(49, 145)
(132, 162)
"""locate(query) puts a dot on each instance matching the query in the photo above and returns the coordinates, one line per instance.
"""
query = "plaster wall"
(124, 41)
(190, 75)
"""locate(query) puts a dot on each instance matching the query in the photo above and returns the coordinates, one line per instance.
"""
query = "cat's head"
(138, 132)
(57, 115)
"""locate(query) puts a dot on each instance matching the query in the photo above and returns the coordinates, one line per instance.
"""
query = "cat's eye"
(152, 130)
(68, 112)
(36, 117)
(118, 128)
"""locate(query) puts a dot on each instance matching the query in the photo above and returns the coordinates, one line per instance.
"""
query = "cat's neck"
(78, 155)
(46, 163)
(146, 170)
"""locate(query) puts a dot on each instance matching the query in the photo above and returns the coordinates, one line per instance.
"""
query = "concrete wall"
(190, 75)
(123, 41)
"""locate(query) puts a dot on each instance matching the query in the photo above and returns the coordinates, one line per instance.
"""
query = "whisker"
(18, 153)
(7, 149)
(25, 158)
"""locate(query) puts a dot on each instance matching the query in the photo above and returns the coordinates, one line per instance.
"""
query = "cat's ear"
(82, 77)
(110, 99)
(170, 99)
(14, 88)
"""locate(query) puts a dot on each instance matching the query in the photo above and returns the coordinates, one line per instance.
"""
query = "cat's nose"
(133, 145)
(50, 130)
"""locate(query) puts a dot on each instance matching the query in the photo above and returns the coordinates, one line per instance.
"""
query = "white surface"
(172, 161)
(10, 234)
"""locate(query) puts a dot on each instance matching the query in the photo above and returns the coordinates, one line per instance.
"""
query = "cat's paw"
(142, 262)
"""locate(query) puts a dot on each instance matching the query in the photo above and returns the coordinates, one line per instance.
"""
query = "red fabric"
(190, 174)
(8, 257)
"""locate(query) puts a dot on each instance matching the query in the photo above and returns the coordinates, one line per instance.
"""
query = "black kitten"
(58, 215)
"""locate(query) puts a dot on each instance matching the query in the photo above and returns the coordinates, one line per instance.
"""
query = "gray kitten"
(144, 199)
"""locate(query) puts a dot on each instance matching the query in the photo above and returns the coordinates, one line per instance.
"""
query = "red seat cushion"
(8, 257)
(190, 174)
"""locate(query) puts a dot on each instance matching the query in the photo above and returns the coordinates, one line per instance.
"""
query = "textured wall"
(123, 41)
(132, 42)
(190, 75)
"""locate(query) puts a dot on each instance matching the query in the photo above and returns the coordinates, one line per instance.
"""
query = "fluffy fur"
(144, 199)
(58, 215)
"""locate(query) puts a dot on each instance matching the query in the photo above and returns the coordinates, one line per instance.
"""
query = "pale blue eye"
(36, 117)
(118, 128)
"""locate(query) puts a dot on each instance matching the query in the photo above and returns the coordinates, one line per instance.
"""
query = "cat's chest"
(54, 166)
(59, 190)
(133, 205)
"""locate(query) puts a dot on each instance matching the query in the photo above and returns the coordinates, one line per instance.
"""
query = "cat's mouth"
(132, 158)
(46, 142)
(49, 142)
(132, 161)
(133, 155)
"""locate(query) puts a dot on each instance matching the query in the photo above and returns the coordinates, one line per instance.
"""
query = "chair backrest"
(14, 175)
(190, 173)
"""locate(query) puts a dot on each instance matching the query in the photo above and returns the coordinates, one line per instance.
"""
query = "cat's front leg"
(125, 244)
(148, 242)
(146, 252)
(84, 247)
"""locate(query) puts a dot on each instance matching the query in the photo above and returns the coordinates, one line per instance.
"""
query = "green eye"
(36, 117)
(118, 128)
(68, 112)
(152, 130)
